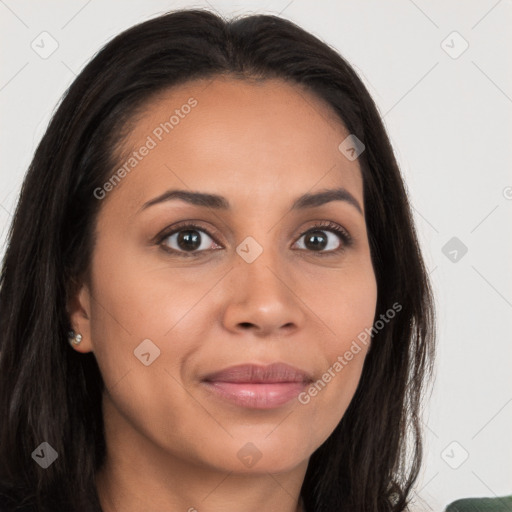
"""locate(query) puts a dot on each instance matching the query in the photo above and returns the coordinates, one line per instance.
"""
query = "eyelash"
(332, 227)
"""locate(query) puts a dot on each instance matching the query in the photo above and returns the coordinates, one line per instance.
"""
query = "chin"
(261, 455)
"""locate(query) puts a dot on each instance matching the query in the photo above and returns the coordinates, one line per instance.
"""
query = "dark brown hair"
(48, 392)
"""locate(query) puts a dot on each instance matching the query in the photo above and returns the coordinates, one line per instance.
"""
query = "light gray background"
(449, 120)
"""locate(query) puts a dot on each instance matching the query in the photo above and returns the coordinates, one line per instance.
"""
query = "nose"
(262, 299)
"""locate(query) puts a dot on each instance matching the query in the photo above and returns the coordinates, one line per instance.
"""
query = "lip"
(258, 386)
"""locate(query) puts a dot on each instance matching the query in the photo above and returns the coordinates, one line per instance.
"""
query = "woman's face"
(169, 306)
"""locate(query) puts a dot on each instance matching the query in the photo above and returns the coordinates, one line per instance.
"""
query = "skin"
(171, 444)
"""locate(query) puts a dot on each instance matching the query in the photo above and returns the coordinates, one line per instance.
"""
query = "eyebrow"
(221, 203)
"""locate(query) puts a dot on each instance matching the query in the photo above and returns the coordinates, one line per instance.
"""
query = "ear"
(79, 312)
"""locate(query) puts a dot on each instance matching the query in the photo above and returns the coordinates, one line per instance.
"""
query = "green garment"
(503, 504)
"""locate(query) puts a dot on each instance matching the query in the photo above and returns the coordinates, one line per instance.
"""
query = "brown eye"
(316, 240)
(188, 239)
(325, 239)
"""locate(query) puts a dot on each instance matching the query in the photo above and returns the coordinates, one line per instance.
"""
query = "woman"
(213, 296)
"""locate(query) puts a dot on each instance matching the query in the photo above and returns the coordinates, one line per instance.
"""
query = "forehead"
(245, 140)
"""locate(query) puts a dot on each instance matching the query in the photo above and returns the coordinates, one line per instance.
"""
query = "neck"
(138, 475)
(118, 491)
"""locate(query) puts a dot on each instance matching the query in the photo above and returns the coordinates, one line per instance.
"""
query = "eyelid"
(182, 225)
(333, 227)
(346, 239)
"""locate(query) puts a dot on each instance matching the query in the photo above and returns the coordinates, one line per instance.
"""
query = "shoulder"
(503, 504)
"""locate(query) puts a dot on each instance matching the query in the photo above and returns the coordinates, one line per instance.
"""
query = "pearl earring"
(75, 339)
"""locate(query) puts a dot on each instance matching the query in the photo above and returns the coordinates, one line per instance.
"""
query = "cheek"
(346, 309)
(135, 300)
(348, 306)
(140, 294)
